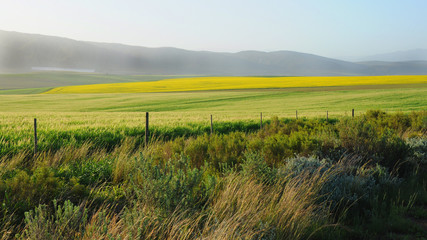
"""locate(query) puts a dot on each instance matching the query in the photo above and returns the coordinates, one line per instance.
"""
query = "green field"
(231, 104)
(43, 81)
(391, 94)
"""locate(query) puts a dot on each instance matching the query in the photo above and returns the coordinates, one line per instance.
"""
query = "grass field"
(234, 104)
(227, 83)
(43, 81)
(119, 110)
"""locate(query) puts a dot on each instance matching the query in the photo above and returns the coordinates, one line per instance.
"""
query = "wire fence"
(147, 127)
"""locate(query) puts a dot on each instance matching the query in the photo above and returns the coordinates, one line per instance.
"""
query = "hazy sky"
(333, 28)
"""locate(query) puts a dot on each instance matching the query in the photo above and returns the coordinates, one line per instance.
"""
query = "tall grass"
(293, 179)
(241, 209)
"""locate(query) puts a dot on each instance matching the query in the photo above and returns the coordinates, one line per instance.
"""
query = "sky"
(331, 28)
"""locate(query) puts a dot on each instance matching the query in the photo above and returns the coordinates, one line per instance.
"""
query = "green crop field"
(234, 104)
(43, 81)
(395, 93)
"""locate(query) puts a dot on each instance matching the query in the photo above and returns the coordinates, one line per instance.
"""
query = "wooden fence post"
(352, 113)
(296, 114)
(35, 136)
(327, 116)
(211, 125)
(146, 128)
(260, 124)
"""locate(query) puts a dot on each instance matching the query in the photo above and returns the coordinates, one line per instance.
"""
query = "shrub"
(172, 185)
(226, 149)
(24, 191)
(197, 150)
(67, 222)
(89, 172)
(417, 158)
(368, 140)
(349, 187)
(419, 121)
(300, 164)
(254, 165)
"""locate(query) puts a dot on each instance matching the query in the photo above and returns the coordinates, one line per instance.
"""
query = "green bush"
(254, 165)
(89, 172)
(349, 187)
(365, 138)
(197, 150)
(24, 191)
(277, 147)
(66, 222)
(41, 186)
(226, 149)
(417, 159)
(300, 164)
(174, 184)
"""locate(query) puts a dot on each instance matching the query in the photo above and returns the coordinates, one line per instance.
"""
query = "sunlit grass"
(228, 103)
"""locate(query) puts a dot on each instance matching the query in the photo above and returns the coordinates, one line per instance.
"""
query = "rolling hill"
(399, 56)
(21, 52)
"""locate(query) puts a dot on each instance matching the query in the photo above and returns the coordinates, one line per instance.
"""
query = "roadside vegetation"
(341, 178)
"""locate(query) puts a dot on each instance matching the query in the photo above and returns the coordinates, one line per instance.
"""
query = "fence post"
(352, 113)
(35, 136)
(211, 125)
(260, 124)
(146, 128)
(327, 116)
(296, 114)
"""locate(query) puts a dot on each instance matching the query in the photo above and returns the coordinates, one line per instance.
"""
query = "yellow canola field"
(229, 83)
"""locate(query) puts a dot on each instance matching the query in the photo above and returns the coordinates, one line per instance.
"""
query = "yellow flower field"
(229, 83)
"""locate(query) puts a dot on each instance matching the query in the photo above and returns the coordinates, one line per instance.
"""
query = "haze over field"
(29, 52)
(327, 28)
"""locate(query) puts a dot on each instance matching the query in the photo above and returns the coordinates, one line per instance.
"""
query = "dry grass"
(247, 209)
(242, 209)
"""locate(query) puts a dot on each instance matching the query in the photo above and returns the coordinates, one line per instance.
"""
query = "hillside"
(20, 52)
(397, 68)
(399, 56)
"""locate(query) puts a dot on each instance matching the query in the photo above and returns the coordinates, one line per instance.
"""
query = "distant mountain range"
(400, 56)
(21, 52)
